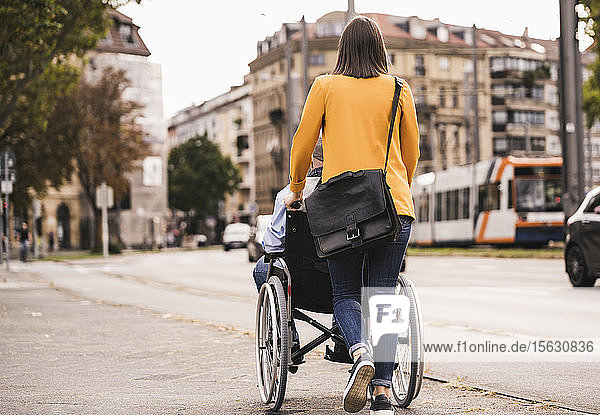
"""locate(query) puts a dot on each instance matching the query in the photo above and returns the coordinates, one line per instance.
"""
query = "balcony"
(242, 158)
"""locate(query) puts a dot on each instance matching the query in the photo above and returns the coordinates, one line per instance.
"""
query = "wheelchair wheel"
(271, 346)
(408, 368)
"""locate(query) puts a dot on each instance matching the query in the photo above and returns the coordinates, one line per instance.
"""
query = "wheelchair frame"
(273, 348)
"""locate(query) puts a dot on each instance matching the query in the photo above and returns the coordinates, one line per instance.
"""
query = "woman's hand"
(291, 198)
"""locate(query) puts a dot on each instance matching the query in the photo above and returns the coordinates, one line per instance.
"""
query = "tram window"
(489, 197)
(510, 194)
(464, 203)
(424, 208)
(452, 205)
(538, 195)
(438, 206)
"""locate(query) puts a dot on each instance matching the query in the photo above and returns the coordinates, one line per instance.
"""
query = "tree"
(199, 177)
(110, 143)
(39, 41)
(590, 15)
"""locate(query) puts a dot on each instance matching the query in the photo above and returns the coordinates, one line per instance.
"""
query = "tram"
(500, 201)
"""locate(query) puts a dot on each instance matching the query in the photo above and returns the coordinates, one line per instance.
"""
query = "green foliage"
(39, 42)
(110, 143)
(591, 87)
(200, 176)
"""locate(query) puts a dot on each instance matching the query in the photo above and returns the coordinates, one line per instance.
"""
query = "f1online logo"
(388, 315)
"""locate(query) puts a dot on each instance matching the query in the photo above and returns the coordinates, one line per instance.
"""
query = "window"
(444, 63)
(501, 147)
(423, 208)
(442, 97)
(452, 205)
(499, 117)
(419, 65)
(489, 197)
(126, 33)
(391, 58)
(526, 117)
(316, 59)
(510, 194)
(538, 143)
(454, 98)
(594, 205)
(464, 203)
(420, 96)
(538, 195)
(438, 206)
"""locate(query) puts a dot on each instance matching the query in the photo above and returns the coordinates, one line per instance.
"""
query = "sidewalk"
(64, 354)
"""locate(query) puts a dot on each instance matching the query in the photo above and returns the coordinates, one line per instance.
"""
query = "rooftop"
(416, 29)
(123, 37)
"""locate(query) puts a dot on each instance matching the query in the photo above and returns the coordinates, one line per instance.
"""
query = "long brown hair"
(361, 51)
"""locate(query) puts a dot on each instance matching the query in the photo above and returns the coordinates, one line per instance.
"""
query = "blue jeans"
(383, 264)
(260, 272)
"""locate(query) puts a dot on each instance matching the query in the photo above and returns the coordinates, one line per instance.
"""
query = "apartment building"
(517, 91)
(140, 217)
(226, 120)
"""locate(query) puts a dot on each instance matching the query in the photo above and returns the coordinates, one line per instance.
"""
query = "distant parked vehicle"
(255, 247)
(236, 235)
(582, 248)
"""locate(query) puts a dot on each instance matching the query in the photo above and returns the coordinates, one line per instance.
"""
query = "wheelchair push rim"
(408, 369)
(272, 343)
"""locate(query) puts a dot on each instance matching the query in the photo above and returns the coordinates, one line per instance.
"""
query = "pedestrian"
(51, 241)
(24, 236)
(352, 107)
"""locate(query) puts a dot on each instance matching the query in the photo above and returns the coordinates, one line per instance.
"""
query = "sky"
(204, 46)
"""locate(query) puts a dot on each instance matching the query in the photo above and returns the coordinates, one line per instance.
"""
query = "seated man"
(274, 238)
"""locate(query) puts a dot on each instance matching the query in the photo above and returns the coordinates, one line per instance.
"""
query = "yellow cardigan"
(357, 114)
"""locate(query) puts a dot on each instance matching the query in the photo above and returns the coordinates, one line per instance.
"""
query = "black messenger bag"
(354, 210)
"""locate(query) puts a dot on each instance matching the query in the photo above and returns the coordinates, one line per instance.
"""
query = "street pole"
(289, 104)
(527, 139)
(304, 59)
(350, 13)
(475, 96)
(571, 120)
(104, 192)
(6, 210)
(475, 150)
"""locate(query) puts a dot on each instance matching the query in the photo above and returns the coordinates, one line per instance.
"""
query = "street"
(172, 332)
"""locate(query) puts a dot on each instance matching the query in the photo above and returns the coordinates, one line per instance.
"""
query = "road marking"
(503, 290)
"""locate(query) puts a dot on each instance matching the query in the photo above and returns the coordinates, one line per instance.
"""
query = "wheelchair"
(299, 281)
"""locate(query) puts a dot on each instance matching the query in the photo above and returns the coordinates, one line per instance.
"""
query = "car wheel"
(577, 268)
(226, 248)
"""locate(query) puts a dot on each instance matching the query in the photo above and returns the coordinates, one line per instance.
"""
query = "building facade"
(517, 92)
(139, 220)
(226, 120)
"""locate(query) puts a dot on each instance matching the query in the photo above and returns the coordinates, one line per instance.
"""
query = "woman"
(353, 106)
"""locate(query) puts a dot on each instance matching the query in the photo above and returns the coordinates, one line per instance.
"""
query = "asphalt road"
(464, 299)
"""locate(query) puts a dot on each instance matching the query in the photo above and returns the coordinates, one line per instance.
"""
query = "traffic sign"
(110, 199)
(7, 160)
(7, 187)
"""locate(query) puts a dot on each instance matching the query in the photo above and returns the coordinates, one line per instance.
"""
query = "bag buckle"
(352, 234)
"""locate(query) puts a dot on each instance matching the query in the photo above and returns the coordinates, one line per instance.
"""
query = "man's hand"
(291, 198)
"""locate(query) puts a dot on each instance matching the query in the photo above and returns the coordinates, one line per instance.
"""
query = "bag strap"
(397, 90)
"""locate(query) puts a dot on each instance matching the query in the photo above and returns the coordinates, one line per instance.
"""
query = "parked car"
(236, 235)
(255, 247)
(582, 248)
